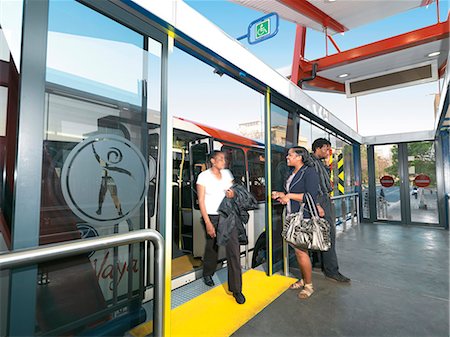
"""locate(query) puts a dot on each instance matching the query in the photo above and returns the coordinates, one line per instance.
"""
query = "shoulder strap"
(311, 206)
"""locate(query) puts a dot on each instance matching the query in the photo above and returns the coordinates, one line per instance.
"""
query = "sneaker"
(239, 297)
(208, 281)
(338, 278)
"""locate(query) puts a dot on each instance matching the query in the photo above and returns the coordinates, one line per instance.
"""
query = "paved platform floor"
(400, 287)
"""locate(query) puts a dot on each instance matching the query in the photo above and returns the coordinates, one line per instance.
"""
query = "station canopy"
(398, 61)
(395, 62)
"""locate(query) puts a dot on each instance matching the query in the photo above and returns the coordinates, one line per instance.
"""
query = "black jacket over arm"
(234, 214)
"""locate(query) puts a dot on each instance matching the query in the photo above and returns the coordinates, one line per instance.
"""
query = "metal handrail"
(349, 195)
(344, 196)
(55, 251)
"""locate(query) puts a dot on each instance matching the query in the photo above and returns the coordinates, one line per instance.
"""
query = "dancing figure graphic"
(114, 157)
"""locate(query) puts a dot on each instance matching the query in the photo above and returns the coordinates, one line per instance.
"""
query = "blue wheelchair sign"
(262, 29)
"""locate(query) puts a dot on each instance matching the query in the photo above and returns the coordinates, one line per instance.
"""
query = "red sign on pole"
(422, 180)
(387, 181)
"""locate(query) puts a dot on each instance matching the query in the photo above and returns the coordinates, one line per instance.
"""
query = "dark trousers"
(233, 257)
(329, 258)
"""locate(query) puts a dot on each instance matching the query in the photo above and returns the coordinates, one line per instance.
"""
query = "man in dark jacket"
(320, 150)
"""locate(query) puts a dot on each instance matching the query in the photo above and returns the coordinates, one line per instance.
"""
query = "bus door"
(199, 151)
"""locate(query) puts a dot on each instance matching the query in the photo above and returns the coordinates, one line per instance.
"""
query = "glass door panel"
(387, 181)
(281, 127)
(95, 164)
(422, 182)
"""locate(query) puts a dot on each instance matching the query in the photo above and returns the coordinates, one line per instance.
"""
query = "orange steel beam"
(414, 38)
(299, 53)
(307, 9)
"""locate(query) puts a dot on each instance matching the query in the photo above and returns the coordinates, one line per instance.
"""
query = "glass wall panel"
(365, 183)
(422, 182)
(281, 120)
(213, 111)
(98, 162)
(317, 132)
(304, 134)
(387, 172)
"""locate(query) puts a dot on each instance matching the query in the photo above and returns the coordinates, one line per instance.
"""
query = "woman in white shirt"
(213, 185)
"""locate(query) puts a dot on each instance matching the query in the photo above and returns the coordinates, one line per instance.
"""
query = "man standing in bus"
(212, 186)
(320, 151)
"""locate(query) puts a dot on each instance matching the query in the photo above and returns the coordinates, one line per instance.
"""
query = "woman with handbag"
(303, 179)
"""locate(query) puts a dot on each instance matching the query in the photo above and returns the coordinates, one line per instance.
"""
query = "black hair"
(215, 153)
(303, 152)
(319, 142)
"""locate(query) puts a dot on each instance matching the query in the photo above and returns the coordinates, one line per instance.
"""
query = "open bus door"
(199, 152)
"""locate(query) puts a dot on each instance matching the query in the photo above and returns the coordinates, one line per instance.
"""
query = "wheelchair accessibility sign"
(262, 29)
(104, 179)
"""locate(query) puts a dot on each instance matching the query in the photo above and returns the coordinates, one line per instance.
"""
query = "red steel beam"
(4, 73)
(299, 53)
(426, 3)
(441, 71)
(334, 43)
(307, 9)
(414, 38)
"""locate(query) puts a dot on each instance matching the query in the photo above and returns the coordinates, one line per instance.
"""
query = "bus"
(100, 176)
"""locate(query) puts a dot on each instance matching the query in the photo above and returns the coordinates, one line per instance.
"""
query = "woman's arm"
(201, 203)
(284, 198)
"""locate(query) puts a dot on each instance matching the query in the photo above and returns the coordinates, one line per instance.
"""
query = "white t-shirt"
(215, 188)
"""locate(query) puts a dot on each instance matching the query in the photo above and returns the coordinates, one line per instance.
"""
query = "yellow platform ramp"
(216, 313)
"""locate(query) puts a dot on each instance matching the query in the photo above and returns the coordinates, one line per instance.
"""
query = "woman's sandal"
(297, 285)
(306, 292)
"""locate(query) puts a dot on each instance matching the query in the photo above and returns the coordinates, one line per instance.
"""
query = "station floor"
(400, 287)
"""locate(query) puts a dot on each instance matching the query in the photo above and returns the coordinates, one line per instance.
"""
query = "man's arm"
(201, 203)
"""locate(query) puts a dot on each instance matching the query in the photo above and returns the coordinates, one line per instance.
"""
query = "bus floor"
(400, 287)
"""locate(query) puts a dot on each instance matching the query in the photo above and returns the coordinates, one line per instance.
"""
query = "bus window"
(199, 154)
(256, 172)
(236, 163)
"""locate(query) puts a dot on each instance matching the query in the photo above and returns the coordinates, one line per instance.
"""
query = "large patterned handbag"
(313, 233)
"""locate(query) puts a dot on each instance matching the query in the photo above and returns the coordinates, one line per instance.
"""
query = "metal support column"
(28, 168)
(372, 183)
(166, 185)
(404, 183)
(268, 169)
(442, 146)
(358, 174)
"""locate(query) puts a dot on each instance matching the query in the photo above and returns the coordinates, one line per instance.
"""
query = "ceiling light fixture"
(343, 75)
(436, 53)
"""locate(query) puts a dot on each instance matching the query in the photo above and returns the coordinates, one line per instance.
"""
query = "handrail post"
(159, 287)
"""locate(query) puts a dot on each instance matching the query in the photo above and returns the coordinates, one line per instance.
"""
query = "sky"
(198, 94)
(396, 111)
